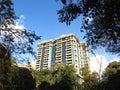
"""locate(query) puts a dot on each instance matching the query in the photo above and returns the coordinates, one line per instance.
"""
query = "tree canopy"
(14, 39)
(101, 21)
(5, 65)
(90, 79)
(111, 77)
(21, 79)
(59, 77)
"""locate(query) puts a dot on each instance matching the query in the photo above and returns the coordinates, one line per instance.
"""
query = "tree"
(59, 77)
(43, 77)
(13, 61)
(5, 65)
(44, 86)
(111, 76)
(90, 79)
(21, 79)
(66, 77)
(16, 40)
(111, 69)
(101, 21)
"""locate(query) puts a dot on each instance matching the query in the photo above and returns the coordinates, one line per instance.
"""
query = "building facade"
(66, 49)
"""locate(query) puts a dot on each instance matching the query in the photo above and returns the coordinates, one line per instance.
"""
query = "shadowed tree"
(110, 80)
(5, 65)
(42, 76)
(21, 79)
(11, 76)
(44, 86)
(90, 79)
(66, 77)
(12, 40)
(101, 21)
(60, 77)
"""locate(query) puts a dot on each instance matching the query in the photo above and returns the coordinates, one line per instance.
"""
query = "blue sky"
(41, 17)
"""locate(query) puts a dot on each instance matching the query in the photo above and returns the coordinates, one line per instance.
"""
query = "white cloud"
(20, 22)
(97, 60)
(18, 26)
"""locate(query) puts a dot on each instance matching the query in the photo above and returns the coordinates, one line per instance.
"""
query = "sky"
(41, 17)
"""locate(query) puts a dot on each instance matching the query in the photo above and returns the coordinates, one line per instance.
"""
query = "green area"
(59, 77)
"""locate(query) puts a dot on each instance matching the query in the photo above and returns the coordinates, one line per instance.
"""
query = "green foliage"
(13, 61)
(5, 65)
(62, 76)
(21, 79)
(101, 21)
(13, 77)
(90, 79)
(112, 68)
(111, 77)
(41, 76)
(85, 71)
(59, 77)
(44, 86)
(66, 77)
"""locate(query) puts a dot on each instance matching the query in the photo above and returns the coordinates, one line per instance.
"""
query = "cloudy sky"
(41, 17)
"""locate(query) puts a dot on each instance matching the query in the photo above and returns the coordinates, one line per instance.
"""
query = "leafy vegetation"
(59, 77)
(21, 79)
(5, 64)
(90, 79)
(111, 76)
(13, 77)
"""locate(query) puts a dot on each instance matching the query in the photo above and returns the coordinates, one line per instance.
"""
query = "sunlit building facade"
(66, 49)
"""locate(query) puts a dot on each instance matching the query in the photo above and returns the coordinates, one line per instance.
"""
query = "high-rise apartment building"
(66, 49)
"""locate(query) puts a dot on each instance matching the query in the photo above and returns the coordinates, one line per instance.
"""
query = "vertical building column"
(39, 53)
(42, 58)
(63, 52)
(78, 53)
(53, 53)
(49, 59)
(73, 57)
